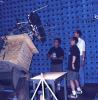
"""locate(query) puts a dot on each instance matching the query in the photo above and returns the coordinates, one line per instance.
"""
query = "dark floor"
(90, 92)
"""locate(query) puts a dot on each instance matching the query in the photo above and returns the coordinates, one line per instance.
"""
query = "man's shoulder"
(75, 47)
(82, 40)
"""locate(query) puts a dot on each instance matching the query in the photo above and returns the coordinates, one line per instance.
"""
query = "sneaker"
(73, 96)
(79, 92)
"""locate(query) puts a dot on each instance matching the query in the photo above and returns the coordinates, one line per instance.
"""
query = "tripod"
(43, 82)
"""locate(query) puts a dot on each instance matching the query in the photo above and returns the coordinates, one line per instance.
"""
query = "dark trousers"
(56, 67)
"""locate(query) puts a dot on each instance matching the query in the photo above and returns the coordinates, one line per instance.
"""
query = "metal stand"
(42, 82)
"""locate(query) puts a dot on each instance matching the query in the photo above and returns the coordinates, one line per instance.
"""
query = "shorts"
(72, 75)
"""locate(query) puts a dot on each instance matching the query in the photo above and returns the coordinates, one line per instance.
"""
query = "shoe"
(73, 96)
(79, 92)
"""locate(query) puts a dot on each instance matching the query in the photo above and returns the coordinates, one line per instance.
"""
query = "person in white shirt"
(81, 46)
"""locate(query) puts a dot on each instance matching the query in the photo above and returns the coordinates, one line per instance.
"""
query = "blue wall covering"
(60, 19)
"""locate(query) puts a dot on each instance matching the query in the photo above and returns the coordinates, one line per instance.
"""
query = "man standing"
(56, 55)
(81, 46)
(73, 68)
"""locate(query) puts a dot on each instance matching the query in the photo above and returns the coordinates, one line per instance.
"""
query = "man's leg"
(79, 90)
(52, 68)
(72, 84)
(74, 93)
(81, 73)
(77, 83)
(59, 68)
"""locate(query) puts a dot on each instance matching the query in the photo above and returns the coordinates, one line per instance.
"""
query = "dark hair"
(58, 39)
(79, 32)
(75, 39)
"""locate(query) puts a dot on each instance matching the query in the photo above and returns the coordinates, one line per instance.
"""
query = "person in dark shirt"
(56, 55)
(73, 68)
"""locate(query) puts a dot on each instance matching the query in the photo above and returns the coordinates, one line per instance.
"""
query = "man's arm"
(61, 58)
(83, 53)
(73, 62)
(83, 56)
(49, 55)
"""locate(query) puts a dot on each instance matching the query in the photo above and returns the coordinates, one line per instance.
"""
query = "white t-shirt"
(81, 45)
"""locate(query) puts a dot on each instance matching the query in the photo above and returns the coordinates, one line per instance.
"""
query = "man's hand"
(51, 57)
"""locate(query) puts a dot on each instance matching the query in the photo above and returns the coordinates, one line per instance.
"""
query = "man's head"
(57, 42)
(74, 41)
(77, 33)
